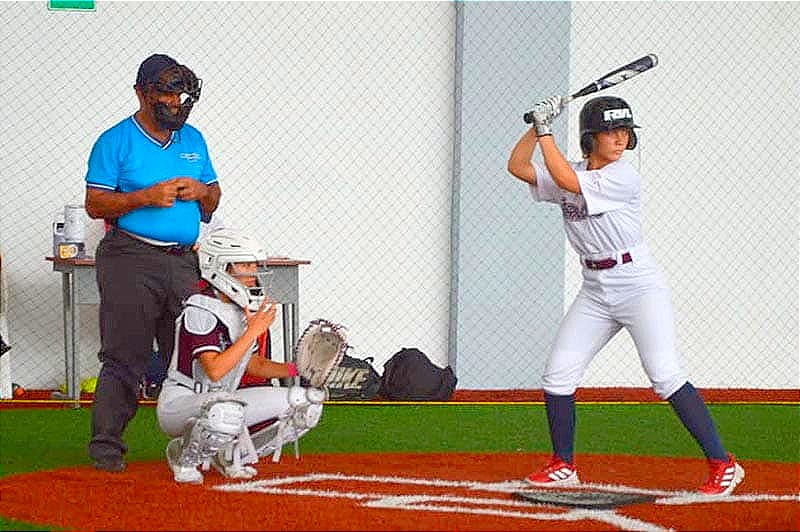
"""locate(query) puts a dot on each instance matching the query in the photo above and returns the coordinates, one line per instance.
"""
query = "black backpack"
(410, 376)
(354, 379)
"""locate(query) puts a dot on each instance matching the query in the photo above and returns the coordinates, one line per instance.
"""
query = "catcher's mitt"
(319, 350)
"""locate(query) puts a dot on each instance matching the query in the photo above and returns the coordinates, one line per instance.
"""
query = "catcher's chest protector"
(201, 316)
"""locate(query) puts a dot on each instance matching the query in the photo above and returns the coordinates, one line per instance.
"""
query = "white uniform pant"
(634, 296)
(177, 404)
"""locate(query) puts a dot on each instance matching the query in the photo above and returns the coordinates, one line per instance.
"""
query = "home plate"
(595, 500)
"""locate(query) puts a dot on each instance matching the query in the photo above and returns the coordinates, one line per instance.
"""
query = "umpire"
(150, 175)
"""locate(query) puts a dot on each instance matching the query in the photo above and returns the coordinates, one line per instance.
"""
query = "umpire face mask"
(174, 95)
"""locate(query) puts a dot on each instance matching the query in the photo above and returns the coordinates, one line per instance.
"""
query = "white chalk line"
(510, 486)
(481, 505)
(456, 505)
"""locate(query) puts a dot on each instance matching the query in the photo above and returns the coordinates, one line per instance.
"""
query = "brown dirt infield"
(453, 491)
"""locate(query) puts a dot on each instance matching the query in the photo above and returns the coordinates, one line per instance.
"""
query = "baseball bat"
(614, 77)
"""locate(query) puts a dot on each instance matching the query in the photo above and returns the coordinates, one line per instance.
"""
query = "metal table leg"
(289, 339)
(295, 326)
(70, 339)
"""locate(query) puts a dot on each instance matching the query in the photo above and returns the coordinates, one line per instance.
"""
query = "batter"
(600, 200)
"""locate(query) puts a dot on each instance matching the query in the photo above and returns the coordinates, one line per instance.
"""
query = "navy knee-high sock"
(694, 415)
(561, 418)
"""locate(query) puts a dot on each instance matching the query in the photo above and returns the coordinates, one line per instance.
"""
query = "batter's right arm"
(519, 163)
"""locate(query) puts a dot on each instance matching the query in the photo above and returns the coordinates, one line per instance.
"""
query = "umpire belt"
(605, 264)
(174, 249)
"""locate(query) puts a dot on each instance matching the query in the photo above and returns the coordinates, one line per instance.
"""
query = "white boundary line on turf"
(665, 496)
(481, 505)
(449, 504)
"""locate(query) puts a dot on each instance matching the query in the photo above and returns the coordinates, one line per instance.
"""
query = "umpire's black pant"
(141, 291)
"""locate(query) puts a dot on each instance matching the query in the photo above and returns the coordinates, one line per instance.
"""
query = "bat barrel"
(611, 79)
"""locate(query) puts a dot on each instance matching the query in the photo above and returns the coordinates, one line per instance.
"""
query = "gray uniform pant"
(177, 405)
(141, 290)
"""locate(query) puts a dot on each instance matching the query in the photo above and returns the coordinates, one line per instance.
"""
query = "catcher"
(213, 422)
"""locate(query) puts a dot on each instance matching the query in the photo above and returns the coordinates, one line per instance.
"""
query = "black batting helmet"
(604, 114)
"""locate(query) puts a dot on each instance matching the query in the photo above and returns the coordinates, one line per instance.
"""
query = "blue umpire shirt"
(126, 158)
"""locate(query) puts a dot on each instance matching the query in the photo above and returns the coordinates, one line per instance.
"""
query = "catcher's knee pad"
(224, 416)
(219, 424)
(299, 396)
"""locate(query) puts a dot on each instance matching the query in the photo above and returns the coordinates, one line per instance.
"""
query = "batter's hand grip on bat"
(528, 117)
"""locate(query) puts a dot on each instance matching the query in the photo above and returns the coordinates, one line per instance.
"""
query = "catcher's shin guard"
(220, 422)
(303, 414)
(182, 473)
(232, 460)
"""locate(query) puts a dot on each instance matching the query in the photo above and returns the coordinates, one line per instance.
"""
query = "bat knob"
(528, 117)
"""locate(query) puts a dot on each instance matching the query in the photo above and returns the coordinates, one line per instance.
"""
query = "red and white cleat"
(555, 474)
(723, 477)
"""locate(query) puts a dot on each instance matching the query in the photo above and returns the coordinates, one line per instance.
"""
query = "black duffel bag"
(410, 376)
(354, 379)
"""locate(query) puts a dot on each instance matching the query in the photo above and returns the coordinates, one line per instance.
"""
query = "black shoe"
(150, 391)
(113, 464)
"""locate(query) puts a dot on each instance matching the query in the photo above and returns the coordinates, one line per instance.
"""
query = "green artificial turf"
(39, 439)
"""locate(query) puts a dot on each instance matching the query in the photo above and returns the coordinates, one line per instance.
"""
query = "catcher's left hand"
(320, 349)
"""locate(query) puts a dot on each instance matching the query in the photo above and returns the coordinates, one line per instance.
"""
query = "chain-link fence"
(371, 138)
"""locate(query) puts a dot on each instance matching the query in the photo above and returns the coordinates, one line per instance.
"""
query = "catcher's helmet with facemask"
(220, 255)
(604, 114)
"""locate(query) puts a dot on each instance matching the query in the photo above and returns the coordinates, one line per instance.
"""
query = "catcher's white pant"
(633, 295)
(178, 404)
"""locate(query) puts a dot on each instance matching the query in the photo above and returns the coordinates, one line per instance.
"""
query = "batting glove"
(544, 113)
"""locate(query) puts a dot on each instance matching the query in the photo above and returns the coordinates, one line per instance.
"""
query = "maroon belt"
(606, 263)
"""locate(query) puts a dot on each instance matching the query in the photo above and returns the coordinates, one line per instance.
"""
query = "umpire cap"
(604, 114)
(151, 68)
